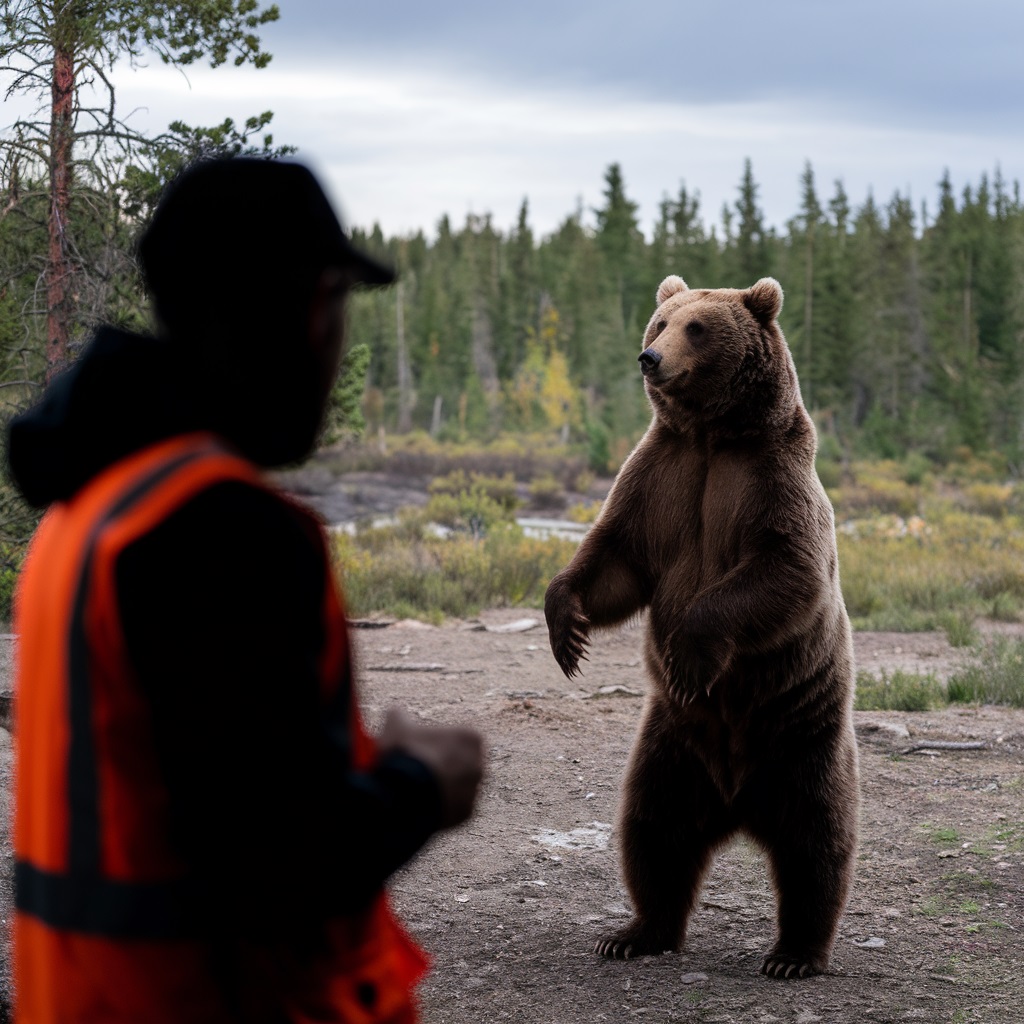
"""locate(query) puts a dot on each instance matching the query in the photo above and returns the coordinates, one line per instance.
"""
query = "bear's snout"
(648, 360)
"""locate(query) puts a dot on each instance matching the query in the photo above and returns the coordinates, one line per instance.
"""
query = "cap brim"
(366, 270)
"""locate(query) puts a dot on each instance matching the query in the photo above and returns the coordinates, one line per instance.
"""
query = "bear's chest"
(705, 510)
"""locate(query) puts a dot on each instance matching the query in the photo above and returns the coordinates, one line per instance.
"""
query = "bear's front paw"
(568, 629)
(696, 665)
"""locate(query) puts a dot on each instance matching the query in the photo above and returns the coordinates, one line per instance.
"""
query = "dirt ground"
(510, 905)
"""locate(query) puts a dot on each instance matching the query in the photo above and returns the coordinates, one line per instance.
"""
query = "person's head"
(248, 268)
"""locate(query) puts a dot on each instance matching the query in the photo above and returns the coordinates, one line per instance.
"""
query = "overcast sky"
(409, 110)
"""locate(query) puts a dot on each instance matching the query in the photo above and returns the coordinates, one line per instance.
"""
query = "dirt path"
(510, 905)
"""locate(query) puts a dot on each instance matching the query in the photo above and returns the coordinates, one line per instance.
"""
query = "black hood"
(127, 391)
(121, 395)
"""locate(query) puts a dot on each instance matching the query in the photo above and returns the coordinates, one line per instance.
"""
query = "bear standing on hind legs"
(718, 525)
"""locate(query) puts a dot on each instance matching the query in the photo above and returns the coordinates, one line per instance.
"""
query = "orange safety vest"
(105, 924)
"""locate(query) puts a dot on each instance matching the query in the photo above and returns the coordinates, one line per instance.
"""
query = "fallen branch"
(946, 745)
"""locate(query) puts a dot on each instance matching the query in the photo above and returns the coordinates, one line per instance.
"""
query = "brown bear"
(718, 525)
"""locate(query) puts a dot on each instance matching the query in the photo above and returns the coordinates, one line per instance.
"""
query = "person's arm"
(222, 611)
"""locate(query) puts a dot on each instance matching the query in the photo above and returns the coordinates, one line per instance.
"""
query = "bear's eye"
(659, 327)
(695, 329)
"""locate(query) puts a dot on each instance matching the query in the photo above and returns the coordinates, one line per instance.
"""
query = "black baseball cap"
(244, 229)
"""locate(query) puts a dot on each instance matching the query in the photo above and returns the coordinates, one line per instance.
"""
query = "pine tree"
(55, 48)
(751, 250)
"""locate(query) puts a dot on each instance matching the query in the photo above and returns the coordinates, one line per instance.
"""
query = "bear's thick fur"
(718, 525)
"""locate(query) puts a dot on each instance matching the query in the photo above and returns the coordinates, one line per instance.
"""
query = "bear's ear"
(669, 287)
(764, 300)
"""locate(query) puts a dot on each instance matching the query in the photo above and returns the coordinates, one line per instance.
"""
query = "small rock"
(612, 691)
(807, 1017)
(873, 943)
(948, 853)
(519, 626)
(694, 978)
(462, 898)
(882, 730)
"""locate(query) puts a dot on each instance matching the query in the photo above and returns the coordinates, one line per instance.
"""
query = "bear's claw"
(631, 942)
(569, 643)
(779, 966)
(613, 950)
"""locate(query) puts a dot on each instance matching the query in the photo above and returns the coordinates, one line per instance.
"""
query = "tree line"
(906, 322)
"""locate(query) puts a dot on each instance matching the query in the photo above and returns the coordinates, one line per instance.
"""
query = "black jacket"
(221, 606)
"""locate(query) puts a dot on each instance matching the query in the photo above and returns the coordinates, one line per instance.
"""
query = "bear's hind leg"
(811, 848)
(672, 820)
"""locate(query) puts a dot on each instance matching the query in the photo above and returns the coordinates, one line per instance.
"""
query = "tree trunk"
(58, 262)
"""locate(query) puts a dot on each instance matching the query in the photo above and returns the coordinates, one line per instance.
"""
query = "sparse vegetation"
(898, 691)
(941, 833)
(547, 493)
(956, 559)
(994, 675)
(410, 570)
(938, 553)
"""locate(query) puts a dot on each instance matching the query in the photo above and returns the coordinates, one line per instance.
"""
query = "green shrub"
(994, 676)
(916, 469)
(583, 481)
(8, 582)
(500, 490)
(471, 511)
(407, 572)
(599, 454)
(939, 573)
(829, 473)
(898, 691)
(1005, 607)
(987, 499)
(547, 493)
(877, 495)
(585, 511)
(959, 627)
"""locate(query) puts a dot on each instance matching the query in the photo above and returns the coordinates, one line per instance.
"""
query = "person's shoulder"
(239, 502)
(232, 525)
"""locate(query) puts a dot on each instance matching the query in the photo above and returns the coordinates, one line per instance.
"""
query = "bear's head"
(717, 357)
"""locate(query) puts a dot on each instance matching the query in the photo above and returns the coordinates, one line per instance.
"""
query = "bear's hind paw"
(631, 943)
(778, 965)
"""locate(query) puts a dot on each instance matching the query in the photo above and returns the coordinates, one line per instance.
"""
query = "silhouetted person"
(203, 828)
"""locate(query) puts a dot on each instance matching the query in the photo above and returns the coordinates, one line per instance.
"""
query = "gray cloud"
(930, 64)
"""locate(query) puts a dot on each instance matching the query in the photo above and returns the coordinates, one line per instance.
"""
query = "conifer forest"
(906, 321)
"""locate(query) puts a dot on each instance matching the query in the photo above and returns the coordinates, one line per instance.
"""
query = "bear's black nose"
(648, 360)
